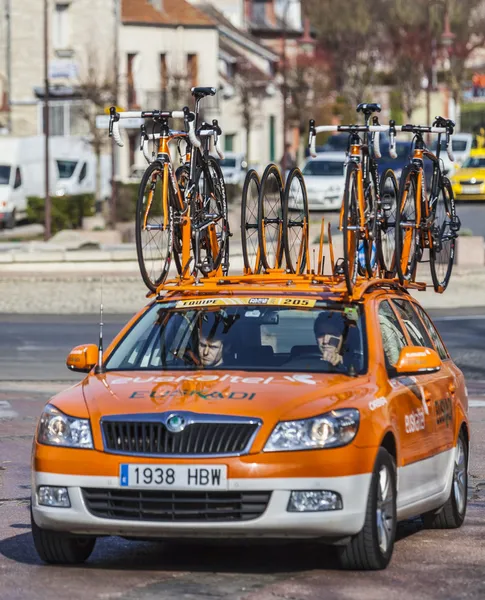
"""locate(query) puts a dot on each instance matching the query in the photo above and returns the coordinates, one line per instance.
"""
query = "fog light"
(53, 496)
(314, 501)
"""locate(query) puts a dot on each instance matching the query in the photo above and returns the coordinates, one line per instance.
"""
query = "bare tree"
(348, 35)
(97, 88)
(251, 86)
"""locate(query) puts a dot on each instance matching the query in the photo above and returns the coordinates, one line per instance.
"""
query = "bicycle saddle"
(202, 92)
(369, 108)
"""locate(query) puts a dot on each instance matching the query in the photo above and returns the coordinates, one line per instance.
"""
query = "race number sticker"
(196, 302)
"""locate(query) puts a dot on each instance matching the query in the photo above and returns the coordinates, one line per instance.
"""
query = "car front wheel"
(371, 549)
(58, 548)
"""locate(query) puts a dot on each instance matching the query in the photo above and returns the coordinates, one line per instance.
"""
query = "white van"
(72, 170)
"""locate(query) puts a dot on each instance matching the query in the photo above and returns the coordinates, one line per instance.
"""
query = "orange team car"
(257, 410)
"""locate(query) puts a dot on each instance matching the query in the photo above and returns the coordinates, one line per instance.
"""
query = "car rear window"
(324, 168)
(257, 337)
(474, 162)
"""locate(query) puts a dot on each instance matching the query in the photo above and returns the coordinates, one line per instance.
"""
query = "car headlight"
(58, 429)
(61, 192)
(330, 430)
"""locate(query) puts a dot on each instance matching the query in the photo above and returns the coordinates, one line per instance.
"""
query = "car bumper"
(274, 522)
(469, 197)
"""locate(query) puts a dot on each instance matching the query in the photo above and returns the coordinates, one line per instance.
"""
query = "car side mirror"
(82, 358)
(415, 360)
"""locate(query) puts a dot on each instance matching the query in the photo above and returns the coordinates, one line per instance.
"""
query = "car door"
(415, 427)
(437, 389)
(444, 405)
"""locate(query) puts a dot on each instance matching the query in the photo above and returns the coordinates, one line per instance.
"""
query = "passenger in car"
(329, 332)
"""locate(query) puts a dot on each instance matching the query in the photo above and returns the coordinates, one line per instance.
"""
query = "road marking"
(6, 411)
(476, 403)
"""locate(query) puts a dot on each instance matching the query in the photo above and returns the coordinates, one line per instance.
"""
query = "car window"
(256, 337)
(18, 178)
(415, 328)
(83, 173)
(324, 168)
(4, 175)
(474, 162)
(66, 168)
(440, 347)
(393, 338)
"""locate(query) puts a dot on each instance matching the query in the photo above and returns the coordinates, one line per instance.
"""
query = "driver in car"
(211, 340)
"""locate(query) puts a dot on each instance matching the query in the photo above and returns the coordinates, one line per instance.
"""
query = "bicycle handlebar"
(115, 117)
(445, 128)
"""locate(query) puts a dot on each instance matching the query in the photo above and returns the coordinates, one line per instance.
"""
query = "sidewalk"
(38, 277)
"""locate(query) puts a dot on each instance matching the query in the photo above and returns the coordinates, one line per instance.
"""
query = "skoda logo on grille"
(175, 423)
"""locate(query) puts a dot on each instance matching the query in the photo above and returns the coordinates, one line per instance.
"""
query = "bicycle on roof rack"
(422, 221)
(363, 217)
(181, 213)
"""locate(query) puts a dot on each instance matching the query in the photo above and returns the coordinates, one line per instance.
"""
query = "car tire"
(452, 514)
(58, 548)
(11, 221)
(371, 549)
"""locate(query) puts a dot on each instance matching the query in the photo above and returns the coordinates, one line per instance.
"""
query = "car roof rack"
(273, 282)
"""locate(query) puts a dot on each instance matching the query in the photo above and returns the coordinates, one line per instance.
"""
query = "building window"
(192, 68)
(229, 142)
(65, 118)
(131, 81)
(60, 26)
(259, 11)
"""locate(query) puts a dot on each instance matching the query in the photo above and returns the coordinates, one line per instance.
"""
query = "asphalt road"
(427, 565)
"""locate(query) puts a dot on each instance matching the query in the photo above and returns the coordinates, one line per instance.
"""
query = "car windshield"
(456, 145)
(474, 162)
(261, 336)
(324, 168)
(228, 162)
(4, 174)
(66, 168)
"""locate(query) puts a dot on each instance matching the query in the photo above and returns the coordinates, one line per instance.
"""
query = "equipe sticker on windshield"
(303, 302)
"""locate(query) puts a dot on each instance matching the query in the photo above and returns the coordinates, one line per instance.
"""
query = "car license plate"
(471, 189)
(176, 477)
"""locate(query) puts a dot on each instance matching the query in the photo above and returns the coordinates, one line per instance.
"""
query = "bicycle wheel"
(210, 221)
(444, 232)
(386, 242)
(351, 228)
(270, 218)
(249, 222)
(154, 227)
(295, 222)
(369, 243)
(182, 176)
(407, 238)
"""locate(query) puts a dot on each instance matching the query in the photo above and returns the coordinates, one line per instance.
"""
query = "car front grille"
(168, 506)
(200, 438)
(471, 182)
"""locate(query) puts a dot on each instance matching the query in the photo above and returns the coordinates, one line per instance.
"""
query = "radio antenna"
(100, 367)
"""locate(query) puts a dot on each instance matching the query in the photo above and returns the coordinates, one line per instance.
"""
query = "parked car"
(325, 180)
(461, 144)
(234, 167)
(469, 180)
(245, 412)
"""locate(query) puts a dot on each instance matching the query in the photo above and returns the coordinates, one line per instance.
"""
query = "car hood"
(269, 396)
(467, 174)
